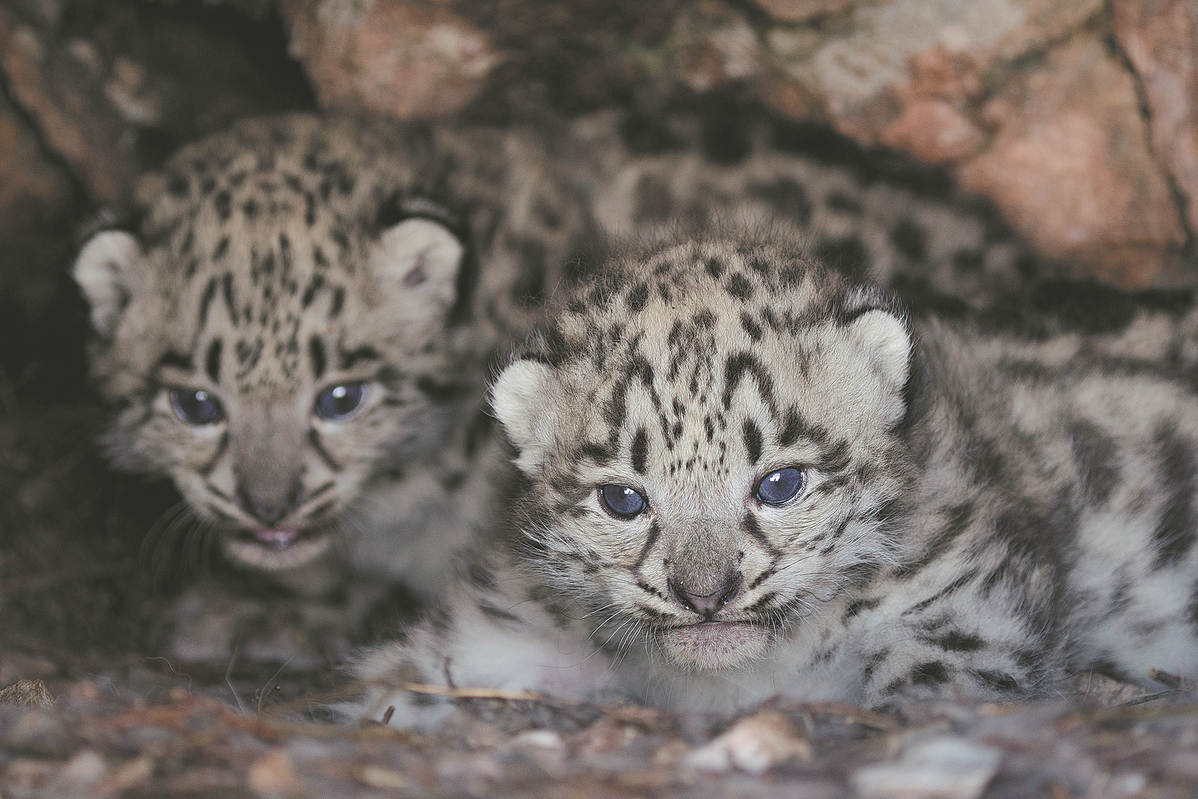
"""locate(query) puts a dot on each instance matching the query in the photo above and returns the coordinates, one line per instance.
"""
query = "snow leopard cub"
(292, 332)
(745, 475)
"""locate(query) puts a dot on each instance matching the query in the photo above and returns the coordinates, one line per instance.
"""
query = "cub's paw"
(396, 691)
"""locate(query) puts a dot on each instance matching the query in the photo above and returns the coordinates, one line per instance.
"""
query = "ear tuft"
(106, 270)
(887, 344)
(521, 399)
(424, 257)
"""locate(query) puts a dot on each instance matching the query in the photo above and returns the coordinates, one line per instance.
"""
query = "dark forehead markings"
(248, 355)
(736, 367)
(174, 359)
(638, 295)
(337, 303)
(223, 203)
(227, 292)
(750, 327)
(739, 287)
(285, 253)
(314, 286)
(309, 208)
(760, 265)
(753, 441)
(598, 452)
(206, 300)
(640, 450)
(438, 391)
(347, 359)
(316, 354)
(212, 360)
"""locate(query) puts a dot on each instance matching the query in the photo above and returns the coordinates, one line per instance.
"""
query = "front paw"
(388, 675)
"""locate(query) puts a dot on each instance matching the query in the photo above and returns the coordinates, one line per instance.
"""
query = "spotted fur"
(978, 515)
(865, 214)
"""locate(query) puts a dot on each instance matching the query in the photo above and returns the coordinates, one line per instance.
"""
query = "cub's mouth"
(710, 645)
(276, 548)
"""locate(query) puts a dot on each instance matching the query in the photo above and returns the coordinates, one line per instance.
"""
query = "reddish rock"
(1160, 38)
(900, 51)
(1070, 166)
(802, 10)
(396, 57)
(932, 131)
(62, 89)
(31, 186)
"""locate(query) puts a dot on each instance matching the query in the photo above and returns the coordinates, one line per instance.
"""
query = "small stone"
(37, 731)
(543, 748)
(133, 774)
(937, 768)
(383, 778)
(754, 744)
(82, 771)
(273, 776)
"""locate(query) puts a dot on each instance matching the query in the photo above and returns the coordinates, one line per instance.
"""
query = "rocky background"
(1077, 118)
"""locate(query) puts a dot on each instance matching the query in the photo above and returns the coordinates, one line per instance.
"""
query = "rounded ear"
(522, 399)
(887, 345)
(106, 270)
(423, 257)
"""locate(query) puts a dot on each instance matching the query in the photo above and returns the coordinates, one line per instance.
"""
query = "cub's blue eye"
(780, 487)
(621, 501)
(340, 402)
(196, 406)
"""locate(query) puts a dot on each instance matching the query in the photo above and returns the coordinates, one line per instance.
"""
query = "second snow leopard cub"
(291, 331)
(745, 475)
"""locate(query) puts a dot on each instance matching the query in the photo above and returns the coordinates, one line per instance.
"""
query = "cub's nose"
(268, 506)
(706, 597)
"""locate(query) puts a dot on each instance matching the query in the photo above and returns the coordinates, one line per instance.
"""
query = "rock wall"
(1076, 118)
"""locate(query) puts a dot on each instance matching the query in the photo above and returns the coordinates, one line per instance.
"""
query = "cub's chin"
(275, 549)
(714, 644)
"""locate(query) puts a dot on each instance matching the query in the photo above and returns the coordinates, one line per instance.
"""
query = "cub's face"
(272, 340)
(712, 441)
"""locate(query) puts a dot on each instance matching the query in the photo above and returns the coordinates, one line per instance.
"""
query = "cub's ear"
(107, 270)
(887, 345)
(523, 398)
(424, 258)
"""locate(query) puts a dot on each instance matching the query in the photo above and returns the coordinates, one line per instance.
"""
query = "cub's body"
(745, 475)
